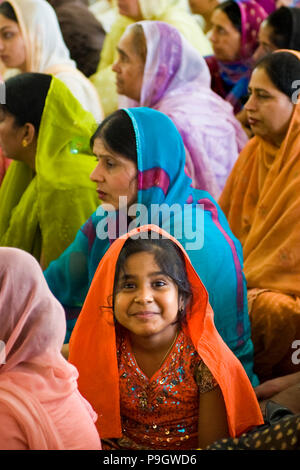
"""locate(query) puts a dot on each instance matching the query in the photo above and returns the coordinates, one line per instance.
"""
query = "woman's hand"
(283, 390)
(271, 387)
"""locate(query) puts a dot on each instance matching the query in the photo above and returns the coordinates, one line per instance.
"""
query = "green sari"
(41, 211)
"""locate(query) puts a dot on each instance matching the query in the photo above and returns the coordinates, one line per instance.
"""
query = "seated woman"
(171, 382)
(46, 194)
(158, 68)
(130, 11)
(40, 406)
(280, 30)
(235, 26)
(205, 8)
(32, 42)
(261, 201)
(140, 178)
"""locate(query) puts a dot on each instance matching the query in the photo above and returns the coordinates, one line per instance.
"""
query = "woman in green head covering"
(47, 194)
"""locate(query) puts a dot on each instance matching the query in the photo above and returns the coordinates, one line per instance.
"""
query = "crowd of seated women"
(149, 223)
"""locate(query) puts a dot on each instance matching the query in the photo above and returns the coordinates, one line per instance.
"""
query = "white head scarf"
(40, 29)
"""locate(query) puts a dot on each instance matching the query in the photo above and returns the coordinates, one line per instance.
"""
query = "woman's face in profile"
(265, 45)
(11, 136)
(269, 111)
(12, 45)
(129, 68)
(115, 176)
(225, 38)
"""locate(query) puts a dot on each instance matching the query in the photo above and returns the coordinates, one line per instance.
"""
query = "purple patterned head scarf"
(252, 15)
(177, 82)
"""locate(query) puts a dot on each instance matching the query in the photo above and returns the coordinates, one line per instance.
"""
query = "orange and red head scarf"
(93, 349)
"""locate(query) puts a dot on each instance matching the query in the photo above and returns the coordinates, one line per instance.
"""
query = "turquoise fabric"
(162, 180)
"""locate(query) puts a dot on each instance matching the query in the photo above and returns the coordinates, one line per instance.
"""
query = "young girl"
(150, 360)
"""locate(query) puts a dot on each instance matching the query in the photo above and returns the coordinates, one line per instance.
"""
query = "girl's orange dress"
(161, 412)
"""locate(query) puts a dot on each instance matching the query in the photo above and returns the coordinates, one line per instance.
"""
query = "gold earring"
(24, 143)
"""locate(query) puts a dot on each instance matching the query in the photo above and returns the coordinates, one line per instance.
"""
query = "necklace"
(168, 351)
(143, 395)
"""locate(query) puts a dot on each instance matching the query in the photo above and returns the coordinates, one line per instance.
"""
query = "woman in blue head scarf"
(141, 179)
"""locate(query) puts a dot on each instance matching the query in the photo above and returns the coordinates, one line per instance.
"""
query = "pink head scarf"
(33, 372)
(176, 82)
(252, 15)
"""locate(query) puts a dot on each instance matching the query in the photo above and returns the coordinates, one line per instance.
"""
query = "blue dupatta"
(195, 219)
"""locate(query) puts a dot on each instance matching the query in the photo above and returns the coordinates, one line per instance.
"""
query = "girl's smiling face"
(146, 301)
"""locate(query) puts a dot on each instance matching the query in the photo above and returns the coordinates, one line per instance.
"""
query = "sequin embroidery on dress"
(162, 412)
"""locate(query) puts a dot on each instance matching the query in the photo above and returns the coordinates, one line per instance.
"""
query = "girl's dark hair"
(25, 96)
(168, 257)
(117, 133)
(283, 69)
(7, 10)
(281, 22)
(231, 9)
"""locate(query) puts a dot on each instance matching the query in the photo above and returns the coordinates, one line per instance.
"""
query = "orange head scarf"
(93, 349)
(261, 200)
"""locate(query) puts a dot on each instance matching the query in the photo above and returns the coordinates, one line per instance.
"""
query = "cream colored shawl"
(46, 51)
